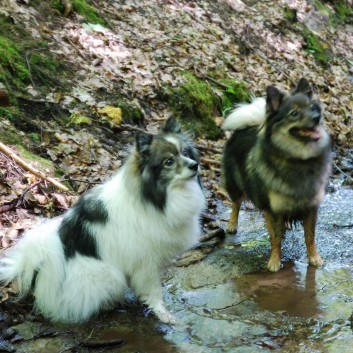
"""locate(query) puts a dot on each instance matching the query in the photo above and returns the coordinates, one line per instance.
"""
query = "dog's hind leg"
(233, 219)
(276, 227)
(309, 233)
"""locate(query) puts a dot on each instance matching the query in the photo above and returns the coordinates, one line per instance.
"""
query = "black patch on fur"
(237, 181)
(154, 186)
(74, 233)
(153, 152)
(154, 189)
(34, 279)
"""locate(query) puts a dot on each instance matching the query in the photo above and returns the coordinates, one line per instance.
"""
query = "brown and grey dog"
(279, 157)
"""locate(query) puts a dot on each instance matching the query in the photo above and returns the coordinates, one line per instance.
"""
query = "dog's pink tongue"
(313, 134)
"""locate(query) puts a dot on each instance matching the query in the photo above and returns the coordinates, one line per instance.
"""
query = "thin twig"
(16, 203)
(104, 18)
(77, 49)
(78, 344)
(341, 171)
(20, 199)
(233, 305)
(82, 181)
(28, 54)
(343, 225)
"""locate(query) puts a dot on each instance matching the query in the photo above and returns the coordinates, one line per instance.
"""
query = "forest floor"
(79, 88)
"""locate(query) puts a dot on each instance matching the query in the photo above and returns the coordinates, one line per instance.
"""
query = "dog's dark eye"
(169, 162)
(293, 113)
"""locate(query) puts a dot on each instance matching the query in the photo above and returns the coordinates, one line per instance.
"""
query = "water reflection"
(292, 289)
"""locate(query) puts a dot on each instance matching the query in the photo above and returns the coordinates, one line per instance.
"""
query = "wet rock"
(8, 333)
(229, 303)
(5, 346)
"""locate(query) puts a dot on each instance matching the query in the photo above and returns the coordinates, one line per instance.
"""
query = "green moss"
(90, 14)
(35, 137)
(316, 47)
(195, 104)
(338, 11)
(344, 11)
(31, 157)
(12, 64)
(290, 14)
(10, 137)
(58, 5)
(21, 65)
(131, 114)
(81, 7)
(237, 92)
(8, 113)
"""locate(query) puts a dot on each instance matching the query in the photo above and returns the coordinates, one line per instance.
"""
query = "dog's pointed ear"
(143, 143)
(171, 126)
(303, 86)
(274, 98)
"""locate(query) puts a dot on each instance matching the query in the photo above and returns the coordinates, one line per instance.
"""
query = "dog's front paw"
(316, 261)
(231, 229)
(274, 264)
(166, 317)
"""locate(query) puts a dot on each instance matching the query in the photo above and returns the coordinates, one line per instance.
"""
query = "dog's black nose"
(194, 166)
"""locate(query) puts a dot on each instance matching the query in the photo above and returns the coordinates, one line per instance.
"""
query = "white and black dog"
(118, 235)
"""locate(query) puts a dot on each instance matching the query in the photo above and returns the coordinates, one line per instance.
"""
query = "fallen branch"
(105, 343)
(95, 344)
(218, 233)
(78, 344)
(6, 150)
(16, 203)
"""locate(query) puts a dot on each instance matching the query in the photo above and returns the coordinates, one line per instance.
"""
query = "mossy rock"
(82, 7)
(317, 47)
(195, 104)
(21, 66)
(237, 92)
(131, 114)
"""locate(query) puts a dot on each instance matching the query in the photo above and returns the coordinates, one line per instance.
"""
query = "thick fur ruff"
(280, 160)
(118, 235)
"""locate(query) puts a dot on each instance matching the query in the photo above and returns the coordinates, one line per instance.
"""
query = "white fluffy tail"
(38, 248)
(68, 290)
(246, 115)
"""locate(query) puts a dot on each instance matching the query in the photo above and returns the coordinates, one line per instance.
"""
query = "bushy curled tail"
(67, 290)
(39, 247)
(246, 115)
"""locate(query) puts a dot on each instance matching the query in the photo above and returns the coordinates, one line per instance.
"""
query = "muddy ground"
(226, 301)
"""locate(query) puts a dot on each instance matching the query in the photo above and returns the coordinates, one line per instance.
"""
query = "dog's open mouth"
(307, 134)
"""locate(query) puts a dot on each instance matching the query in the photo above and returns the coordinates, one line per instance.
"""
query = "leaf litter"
(145, 46)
